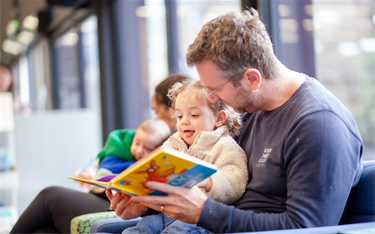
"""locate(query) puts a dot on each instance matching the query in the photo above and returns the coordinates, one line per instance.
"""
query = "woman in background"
(161, 103)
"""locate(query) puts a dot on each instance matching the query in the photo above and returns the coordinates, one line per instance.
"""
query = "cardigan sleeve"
(229, 182)
(167, 143)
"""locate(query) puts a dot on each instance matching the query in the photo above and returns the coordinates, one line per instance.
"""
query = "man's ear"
(221, 118)
(253, 78)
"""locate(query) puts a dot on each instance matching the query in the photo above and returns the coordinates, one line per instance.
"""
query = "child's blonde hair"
(196, 87)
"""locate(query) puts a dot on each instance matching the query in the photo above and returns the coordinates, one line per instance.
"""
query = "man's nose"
(213, 99)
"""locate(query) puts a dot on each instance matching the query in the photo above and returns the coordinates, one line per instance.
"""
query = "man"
(303, 146)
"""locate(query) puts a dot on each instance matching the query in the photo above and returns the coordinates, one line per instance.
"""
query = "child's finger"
(77, 172)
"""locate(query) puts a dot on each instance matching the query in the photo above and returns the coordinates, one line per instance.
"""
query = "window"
(40, 76)
(67, 86)
(157, 54)
(344, 41)
(192, 15)
(77, 82)
(90, 63)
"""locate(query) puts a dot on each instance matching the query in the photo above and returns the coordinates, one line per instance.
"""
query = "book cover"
(164, 165)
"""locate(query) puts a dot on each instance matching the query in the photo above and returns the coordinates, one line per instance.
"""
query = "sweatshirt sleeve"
(167, 143)
(322, 163)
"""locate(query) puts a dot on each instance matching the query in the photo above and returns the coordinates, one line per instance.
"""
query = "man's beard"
(244, 101)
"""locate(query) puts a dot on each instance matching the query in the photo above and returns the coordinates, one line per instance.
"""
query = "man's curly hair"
(235, 42)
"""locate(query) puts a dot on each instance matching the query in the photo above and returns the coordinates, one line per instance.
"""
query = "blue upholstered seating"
(362, 205)
(115, 225)
(360, 208)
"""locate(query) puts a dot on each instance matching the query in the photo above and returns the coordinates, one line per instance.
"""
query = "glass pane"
(24, 80)
(66, 71)
(345, 59)
(292, 34)
(43, 92)
(192, 15)
(157, 54)
(90, 62)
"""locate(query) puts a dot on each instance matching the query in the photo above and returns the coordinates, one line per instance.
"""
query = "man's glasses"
(213, 92)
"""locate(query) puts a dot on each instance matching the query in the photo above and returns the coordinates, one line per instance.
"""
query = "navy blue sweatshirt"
(304, 158)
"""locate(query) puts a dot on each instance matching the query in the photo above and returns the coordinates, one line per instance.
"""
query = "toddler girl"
(204, 131)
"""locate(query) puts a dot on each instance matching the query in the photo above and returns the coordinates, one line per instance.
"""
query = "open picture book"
(164, 165)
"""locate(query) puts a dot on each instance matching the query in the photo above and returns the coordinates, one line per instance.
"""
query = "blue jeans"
(160, 223)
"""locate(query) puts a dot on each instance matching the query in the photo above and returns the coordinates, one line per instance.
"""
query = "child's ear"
(221, 118)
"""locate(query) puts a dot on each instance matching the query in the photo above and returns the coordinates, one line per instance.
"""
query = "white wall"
(50, 146)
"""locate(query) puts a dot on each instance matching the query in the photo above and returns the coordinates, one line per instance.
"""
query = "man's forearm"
(220, 218)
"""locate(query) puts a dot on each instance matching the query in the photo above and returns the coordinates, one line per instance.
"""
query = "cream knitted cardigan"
(219, 148)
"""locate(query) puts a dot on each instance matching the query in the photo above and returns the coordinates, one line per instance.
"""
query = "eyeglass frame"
(213, 92)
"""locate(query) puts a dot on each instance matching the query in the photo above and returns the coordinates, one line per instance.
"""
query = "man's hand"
(124, 205)
(181, 203)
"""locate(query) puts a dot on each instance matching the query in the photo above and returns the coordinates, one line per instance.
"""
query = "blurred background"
(82, 68)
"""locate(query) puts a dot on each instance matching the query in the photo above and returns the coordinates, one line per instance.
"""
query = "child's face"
(143, 143)
(193, 116)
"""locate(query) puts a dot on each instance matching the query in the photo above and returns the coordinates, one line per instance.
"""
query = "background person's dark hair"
(161, 90)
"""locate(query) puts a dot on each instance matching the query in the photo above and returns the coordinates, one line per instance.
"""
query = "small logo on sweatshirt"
(262, 161)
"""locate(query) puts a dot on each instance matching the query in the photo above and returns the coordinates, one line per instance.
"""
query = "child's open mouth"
(188, 133)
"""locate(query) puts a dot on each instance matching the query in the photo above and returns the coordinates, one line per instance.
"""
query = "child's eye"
(179, 116)
(148, 149)
(195, 116)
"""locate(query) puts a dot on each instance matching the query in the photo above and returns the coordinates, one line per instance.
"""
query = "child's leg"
(149, 224)
(178, 226)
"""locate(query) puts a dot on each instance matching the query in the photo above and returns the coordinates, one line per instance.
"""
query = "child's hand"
(96, 163)
(98, 189)
(88, 174)
(206, 184)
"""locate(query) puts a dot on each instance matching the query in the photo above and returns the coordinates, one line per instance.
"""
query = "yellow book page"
(160, 167)
(93, 182)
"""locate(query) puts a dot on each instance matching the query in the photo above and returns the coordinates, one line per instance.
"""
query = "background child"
(123, 147)
(203, 131)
